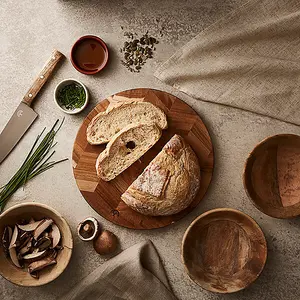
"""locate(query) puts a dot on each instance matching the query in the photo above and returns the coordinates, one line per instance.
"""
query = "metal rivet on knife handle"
(56, 56)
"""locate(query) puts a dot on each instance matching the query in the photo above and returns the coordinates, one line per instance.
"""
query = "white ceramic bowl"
(61, 85)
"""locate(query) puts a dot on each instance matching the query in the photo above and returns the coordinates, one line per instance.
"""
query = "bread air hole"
(130, 145)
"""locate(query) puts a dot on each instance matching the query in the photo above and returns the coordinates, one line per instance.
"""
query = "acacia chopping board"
(104, 197)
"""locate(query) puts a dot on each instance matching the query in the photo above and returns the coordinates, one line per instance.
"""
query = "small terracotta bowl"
(86, 52)
(38, 211)
(271, 176)
(224, 250)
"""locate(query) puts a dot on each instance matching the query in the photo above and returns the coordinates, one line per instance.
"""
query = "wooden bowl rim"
(282, 213)
(70, 246)
(216, 210)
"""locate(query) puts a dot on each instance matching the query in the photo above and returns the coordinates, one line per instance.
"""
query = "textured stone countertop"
(29, 32)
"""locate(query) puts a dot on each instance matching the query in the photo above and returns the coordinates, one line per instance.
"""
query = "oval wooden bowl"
(271, 176)
(224, 250)
(37, 211)
(105, 197)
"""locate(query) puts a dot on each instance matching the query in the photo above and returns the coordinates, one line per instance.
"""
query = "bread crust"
(168, 184)
(96, 136)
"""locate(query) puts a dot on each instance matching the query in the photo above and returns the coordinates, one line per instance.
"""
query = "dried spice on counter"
(137, 50)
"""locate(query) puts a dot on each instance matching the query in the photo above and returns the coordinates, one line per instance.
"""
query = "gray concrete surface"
(29, 32)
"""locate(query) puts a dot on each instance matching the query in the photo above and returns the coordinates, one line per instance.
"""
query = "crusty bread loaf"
(125, 148)
(116, 100)
(168, 184)
(106, 124)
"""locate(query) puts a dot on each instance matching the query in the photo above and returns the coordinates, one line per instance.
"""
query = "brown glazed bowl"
(224, 250)
(85, 52)
(38, 211)
(271, 176)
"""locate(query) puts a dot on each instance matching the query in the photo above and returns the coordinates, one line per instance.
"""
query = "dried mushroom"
(32, 220)
(88, 229)
(41, 228)
(29, 226)
(12, 248)
(26, 248)
(32, 244)
(39, 265)
(34, 256)
(24, 241)
(44, 243)
(14, 237)
(106, 243)
(34, 275)
(55, 235)
(14, 257)
(6, 237)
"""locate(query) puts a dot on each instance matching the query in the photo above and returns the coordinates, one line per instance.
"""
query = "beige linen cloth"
(135, 274)
(249, 60)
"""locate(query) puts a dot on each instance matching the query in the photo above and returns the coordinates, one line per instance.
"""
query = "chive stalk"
(36, 162)
(71, 96)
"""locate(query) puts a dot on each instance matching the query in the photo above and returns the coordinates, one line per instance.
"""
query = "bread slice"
(125, 148)
(168, 184)
(106, 124)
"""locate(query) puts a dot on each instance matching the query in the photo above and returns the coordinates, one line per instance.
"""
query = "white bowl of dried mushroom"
(36, 244)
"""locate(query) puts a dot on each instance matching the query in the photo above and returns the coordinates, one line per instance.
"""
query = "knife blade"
(24, 115)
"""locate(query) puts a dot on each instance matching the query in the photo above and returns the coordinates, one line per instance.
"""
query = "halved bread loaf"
(106, 124)
(168, 184)
(125, 148)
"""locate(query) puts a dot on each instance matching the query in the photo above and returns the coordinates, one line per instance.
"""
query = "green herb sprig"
(71, 96)
(36, 162)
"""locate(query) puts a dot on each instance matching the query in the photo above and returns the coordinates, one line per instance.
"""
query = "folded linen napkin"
(249, 60)
(135, 274)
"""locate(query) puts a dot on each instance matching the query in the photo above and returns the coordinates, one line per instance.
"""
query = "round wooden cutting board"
(104, 197)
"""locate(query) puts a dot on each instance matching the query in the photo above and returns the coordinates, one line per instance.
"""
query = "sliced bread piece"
(125, 148)
(106, 124)
(168, 184)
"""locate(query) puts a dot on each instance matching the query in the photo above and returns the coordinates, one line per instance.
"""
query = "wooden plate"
(104, 197)
(224, 250)
(271, 176)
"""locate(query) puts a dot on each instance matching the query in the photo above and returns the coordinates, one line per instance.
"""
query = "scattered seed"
(136, 50)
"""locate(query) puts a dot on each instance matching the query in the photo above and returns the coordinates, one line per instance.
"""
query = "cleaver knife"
(24, 115)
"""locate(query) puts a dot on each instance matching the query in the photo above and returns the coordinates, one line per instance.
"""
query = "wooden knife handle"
(56, 56)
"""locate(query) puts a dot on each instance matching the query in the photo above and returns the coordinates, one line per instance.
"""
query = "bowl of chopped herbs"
(71, 96)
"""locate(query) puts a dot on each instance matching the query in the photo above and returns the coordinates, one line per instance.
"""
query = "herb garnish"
(137, 50)
(36, 162)
(71, 96)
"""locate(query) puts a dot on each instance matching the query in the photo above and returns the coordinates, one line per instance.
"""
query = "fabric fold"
(249, 60)
(135, 274)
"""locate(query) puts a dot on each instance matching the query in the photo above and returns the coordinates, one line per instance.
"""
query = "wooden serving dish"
(104, 196)
(38, 211)
(224, 250)
(271, 176)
